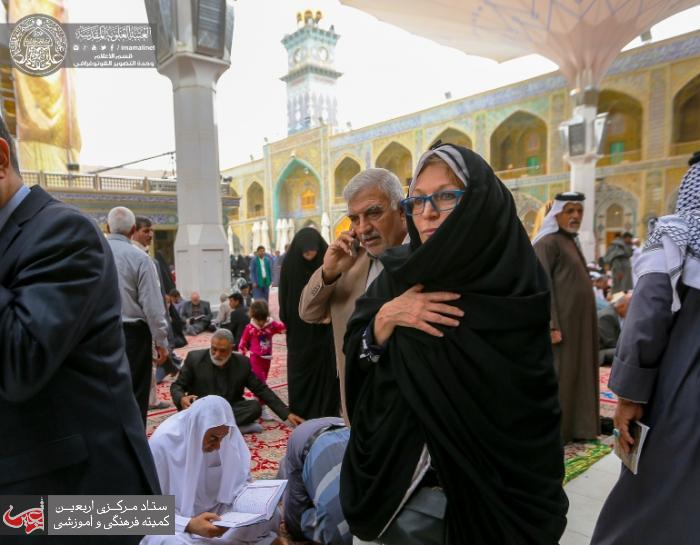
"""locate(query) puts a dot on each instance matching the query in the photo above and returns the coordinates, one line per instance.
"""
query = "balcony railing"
(619, 158)
(685, 148)
(536, 170)
(109, 184)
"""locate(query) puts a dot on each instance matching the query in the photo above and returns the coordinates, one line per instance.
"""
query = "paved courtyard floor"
(587, 493)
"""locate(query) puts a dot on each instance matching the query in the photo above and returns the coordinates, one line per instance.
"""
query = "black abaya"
(314, 389)
(483, 398)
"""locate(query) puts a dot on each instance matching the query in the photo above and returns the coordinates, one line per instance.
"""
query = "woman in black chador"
(452, 395)
(314, 389)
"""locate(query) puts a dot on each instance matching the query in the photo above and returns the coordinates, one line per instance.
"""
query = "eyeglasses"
(442, 201)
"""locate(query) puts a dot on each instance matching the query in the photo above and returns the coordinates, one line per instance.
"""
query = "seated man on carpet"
(238, 318)
(197, 314)
(610, 321)
(221, 371)
(312, 466)
(202, 460)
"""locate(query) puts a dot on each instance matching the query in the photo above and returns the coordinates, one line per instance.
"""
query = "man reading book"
(202, 459)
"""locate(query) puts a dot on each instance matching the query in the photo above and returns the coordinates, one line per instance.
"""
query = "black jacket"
(70, 423)
(608, 328)
(197, 378)
(237, 321)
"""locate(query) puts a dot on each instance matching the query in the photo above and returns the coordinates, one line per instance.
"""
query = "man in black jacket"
(70, 423)
(220, 371)
(239, 317)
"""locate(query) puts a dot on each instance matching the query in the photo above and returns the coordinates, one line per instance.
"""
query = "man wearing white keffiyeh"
(674, 245)
(656, 373)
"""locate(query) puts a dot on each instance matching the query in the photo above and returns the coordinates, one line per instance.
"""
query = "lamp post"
(193, 49)
(582, 137)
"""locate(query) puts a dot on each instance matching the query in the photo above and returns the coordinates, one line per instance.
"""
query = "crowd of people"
(437, 362)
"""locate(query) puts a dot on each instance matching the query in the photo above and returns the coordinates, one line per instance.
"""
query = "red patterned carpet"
(268, 448)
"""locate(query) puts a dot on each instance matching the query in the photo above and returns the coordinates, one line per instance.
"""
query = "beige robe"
(322, 303)
(574, 314)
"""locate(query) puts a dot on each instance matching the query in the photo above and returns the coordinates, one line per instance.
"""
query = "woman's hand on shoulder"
(418, 310)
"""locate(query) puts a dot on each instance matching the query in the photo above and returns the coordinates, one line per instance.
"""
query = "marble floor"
(587, 493)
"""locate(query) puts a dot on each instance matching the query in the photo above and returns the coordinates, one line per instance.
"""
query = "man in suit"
(610, 321)
(220, 371)
(197, 314)
(239, 317)
(261, 274)
(377, 223)
(70, 423)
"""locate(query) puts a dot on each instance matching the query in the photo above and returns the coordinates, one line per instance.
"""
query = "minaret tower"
(311, 100)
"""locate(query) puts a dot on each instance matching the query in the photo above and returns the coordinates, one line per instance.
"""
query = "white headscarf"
(182, 464)
(674, 245)
(550, 224)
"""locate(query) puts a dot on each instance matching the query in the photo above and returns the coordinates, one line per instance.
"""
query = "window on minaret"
(308, 200)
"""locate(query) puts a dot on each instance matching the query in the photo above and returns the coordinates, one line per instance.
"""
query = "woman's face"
(310, 255)
(433, 178)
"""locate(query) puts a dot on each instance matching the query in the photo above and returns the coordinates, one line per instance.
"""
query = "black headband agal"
(573, 196)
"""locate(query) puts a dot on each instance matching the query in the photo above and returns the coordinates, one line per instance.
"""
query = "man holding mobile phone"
(350, 263)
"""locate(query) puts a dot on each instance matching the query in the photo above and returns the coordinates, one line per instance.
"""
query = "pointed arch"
(454, 136)
(623, 139)
(255, 200)
(344, 172)
(298, 191)
(396, 158)
(519, 146)
(686, 118)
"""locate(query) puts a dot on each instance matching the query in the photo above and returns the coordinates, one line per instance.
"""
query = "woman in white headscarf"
(202, 459)
(656, 375)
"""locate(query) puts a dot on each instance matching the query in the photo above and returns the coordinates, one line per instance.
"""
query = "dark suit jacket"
(68, 418)
(237, 321)
(197, 378)
(608, 328)
(186, 311)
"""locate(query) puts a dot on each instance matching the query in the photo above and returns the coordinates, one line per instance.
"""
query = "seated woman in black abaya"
(452, 395)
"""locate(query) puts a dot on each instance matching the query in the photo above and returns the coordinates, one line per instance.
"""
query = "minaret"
(311, 100)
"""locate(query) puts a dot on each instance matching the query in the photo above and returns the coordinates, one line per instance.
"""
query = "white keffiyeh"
(674, 245)
(550, 224)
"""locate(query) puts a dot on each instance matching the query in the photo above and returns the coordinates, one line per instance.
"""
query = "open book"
(257, 502)
(638, 431)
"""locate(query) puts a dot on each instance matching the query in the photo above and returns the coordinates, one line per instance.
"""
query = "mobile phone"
(355, 245)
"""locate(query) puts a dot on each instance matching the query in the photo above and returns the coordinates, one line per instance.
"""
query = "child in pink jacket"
(256, 340)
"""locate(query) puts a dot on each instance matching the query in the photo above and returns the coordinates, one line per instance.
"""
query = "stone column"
(201, 250)
(583, 180)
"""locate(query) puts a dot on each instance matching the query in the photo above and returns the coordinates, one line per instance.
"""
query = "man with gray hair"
(223, 372)
(143, 312)
(350, 263)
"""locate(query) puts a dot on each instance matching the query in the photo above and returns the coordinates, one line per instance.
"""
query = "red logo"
(32, 519)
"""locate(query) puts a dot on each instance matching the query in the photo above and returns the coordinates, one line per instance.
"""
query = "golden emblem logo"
(38, 45)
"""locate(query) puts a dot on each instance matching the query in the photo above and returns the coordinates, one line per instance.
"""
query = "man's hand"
(418, 310)
(339, 257)
(201, 525)
(555, 334)
(161, 356)
(294, 419)
(186, 401)
(626, 413)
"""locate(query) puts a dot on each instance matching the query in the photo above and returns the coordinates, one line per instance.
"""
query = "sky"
(127, 114)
